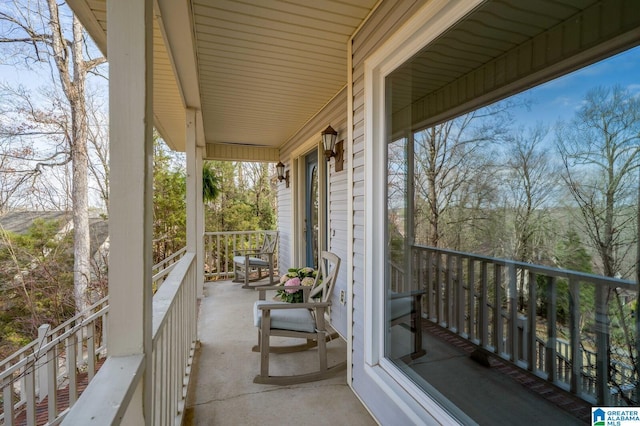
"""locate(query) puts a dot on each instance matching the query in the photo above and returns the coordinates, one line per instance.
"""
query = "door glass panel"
(311, 207)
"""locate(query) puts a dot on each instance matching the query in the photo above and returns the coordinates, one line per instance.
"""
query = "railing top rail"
(33, 345)
(165, 295)
(170, 258)
(16, 355)
(540, 269)
(239, 232)
(163, 272)
(65, 324)
(40, 350)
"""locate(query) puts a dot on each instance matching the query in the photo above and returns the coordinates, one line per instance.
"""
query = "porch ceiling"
(255, 71)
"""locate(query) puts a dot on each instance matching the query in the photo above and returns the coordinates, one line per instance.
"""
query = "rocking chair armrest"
(307, 305)
(252, 253)
(413, 293)
(242, 252)
(263, 289)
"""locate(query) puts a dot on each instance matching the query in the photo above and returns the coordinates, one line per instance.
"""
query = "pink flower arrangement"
(292, 282)
(296, 277)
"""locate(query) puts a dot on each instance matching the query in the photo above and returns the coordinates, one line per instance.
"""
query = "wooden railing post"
(460, 311)
(448, 292)
(484, 305)
(498, 329)
(42, 386)
(513, 312)
(30, 392)
(602, 344)
(531, 318)
(471, 284)
(551, 356)
(7, 396)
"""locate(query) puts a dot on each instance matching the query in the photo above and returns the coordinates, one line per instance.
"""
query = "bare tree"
(448, 158)
(99, 142)
(40, 35)
(600, 151)
(532, 181)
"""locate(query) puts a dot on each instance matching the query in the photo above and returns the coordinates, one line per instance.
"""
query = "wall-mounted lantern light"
(329, 137)
(333, 149)
(281, 174)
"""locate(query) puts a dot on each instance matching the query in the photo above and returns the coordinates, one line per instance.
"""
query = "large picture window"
(512, 241)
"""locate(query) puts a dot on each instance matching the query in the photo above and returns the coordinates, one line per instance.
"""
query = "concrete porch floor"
(222, 391)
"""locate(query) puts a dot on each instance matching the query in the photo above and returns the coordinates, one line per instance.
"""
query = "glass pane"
(312, 210)
(512, 243)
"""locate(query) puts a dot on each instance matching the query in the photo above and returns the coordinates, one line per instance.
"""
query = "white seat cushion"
(400, 307)
(286, 319)
(253, 261)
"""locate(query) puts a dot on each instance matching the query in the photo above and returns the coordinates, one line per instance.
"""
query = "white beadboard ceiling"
(266, 67)
(263, 67)
(255, 71)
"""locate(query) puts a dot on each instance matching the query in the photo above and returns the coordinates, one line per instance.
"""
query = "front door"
(311, 209)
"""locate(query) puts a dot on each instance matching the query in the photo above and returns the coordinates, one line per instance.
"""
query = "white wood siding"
(284, 227)
(334, 114)
(387, 18)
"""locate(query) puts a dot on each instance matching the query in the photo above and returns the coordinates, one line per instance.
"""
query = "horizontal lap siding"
(334, 114)
(389, 16)
(284, 220)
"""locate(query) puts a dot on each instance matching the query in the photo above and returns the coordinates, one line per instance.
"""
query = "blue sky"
(560, 98)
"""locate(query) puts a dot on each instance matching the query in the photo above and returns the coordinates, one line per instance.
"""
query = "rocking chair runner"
(407, 308)
(302, 320)
(251, 260)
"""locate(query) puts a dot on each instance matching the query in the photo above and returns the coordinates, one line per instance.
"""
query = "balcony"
(203, 366)
(40, 384)
(566, 336)
(223, 392)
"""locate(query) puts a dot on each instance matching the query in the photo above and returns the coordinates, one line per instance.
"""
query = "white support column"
(130, 52)
(199, 223)
(190, 149)
(195, 208)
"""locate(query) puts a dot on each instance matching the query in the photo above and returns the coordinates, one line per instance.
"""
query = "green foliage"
(36, 283)
(210, 184)
(237, 197)
(169, 205)
(571, 254)
(246, 199)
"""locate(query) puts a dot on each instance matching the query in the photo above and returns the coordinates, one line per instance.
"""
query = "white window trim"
(425, 25)
(298, 173)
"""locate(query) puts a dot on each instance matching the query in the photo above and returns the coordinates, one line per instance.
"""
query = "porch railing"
(160, 271)
(67, 355)
(219, 249)
(40, 369)
(575, 330)
(173, 346)
(174, 339)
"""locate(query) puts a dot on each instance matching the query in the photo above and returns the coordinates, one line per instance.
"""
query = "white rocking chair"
(301, 320)
(252, 261)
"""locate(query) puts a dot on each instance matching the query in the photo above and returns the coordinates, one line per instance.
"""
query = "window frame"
(427, 24)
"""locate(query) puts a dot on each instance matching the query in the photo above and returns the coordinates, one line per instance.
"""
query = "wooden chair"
(246, 262)
(299, 320)
(406, 309)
